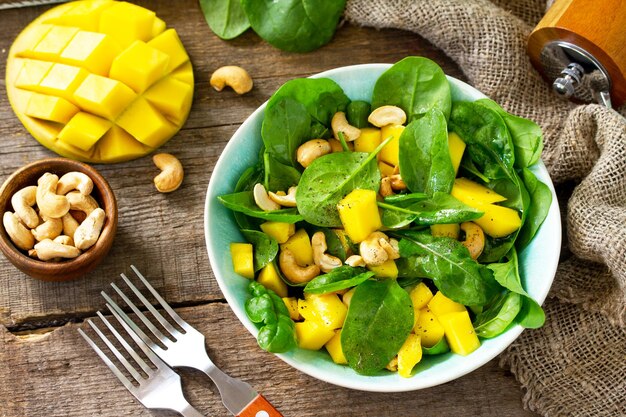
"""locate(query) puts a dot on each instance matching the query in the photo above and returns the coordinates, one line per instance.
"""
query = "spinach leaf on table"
(541, 199)
(265, 247)
(285, 127)
(416, 85)
(279, 177)
(226, 18)
(497, 318)
(425, 164)
(244, 202)
(379, 320)
(338, 279)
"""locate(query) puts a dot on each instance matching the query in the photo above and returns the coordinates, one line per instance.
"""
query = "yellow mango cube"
(333, 346)
(84, 130)
(497, 221)
(385, 169)
(460, 333)
(54, 109)
(279, 230)
(31, 73)
(82, 14)
(359, 214)
(452, 230)
(243, 259)
(347, 297)
(292, 306)
(157, 27)
(428, 328)
(146, 124)
(300, 245)
(420, 296)
(457, 147)
(103, 96)
(62, 80)
(368, 141)
(169, 43)
(312, 335)
(325, 308)
(184, 73)
(388, 269)
(117, 145)
(269, 278)
(171, 97)
(26, 44)
(139, 66)
(51, 45)
(93, 51)
(71, 151)
(409, 355)
(390, 153)
(440, 305)
(127, 22)
(464, 190)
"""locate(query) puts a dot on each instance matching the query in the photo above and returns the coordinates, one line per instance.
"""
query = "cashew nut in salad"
(287, 200)
(397, 183)
(387, 115)
(75, 181)
(262, 199)
(89, 230)
(391, 247)
(355, 260)
(49, 229)
(235, 77)
(373, 250)
(64, 240)
(81, 202)
(311, 150)
(69, 225)
(19, 234)
(474, 238)
(339, 123)
(294, 272)
(385, 187)
(171, 176)
(47, 250)
(325, 261)
(23, 202)
(49, 202)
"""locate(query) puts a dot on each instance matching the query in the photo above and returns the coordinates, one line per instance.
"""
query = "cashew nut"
(474, 239)
(235, 77)
(81, 202)
(64, 240)
(311, 150)
(355, 260)
(397, 183)
(387, 115)
(294, 272)
(49, 229)
(50, 204)
(385, 187)
(171, 176)
(19, 234)
(75, 181)
(288, 200)
(325, 261)
(48, 249)
(391, 247)
(372, 250)
(69, 225)
(339, 123)
(89, 230)
(23, 202)
(262, 199)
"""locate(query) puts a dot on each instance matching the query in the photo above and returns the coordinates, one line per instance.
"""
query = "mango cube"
(146, 124)
(464, 189)
(62, 80)
(292, 306)
(388, 269)
(409, 355)
(460, 333)
(25, 44)
(385, 169)
(84, 14)
(498, 221)
(440, 305)
(139, 66)
(93, 51)
(347, 297)
(368, 140)
(420, 296)
(457, 147)
(312, 335)
(279, 230)
(269, 278)
(390, 153)
(184, 73)
(243, 259)
(452, 230)
(31, 73)
(169, 43)
(325, 308)
(54, 109)
(127, 22)
(428, 328)
(359, 214)
(103, 96)
(71, 151)
(116, 146)
(84, 130)
(300, 245)
(51, 45)
(333, 346)
(157, 27)
(171, 97)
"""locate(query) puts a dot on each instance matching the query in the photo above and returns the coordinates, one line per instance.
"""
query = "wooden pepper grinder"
(580, 47)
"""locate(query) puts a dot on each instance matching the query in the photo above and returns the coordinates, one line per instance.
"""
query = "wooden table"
(45, 367)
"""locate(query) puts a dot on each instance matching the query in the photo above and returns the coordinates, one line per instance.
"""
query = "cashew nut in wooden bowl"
(68, 269)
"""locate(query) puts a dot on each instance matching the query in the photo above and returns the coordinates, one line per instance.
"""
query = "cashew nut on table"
(232, 76)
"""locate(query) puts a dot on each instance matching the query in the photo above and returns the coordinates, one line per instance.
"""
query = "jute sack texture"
(576, 364)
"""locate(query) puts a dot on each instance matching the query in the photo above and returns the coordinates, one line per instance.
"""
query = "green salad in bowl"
(384, 227)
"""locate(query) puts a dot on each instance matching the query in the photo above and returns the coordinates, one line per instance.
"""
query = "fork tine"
(129, 386)
(160, 299)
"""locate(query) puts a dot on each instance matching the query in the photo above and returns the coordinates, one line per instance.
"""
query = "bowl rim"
(357, 381)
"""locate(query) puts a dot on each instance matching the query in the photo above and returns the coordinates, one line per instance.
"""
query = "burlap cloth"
(576, 364)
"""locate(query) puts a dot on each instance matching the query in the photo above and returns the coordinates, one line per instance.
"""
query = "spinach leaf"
(294, 25)
(338, 279)
(277, 332)
(448, 263)
(319, 131)
(357, 113)
(416, 85)
(468, 165)
(226, 18)
(334, 244)
(440, 347)
(379, 320)
(329, 179)
(285, 127)
(441, 208)
(243, 202)
(526, 135)
(265, 247)
(405, 198)
(425, 164)
(279, 177)
(541, 199)
(496, 319)
(251, 176)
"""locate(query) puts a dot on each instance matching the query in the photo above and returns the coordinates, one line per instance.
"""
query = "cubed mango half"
(139, 66)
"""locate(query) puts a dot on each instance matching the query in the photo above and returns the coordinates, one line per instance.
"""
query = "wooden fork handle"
(259, 407)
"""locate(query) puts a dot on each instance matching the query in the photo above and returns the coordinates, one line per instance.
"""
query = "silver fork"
(186, 348)
(159, 389)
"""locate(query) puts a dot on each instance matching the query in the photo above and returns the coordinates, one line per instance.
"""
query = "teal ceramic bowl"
(538, 261)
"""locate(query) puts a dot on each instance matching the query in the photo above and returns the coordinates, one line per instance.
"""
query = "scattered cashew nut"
(69, 225)
(81, 202)
(49, 229)
(23, 202)
(48, 249)
(262, 199)
(339, 123)
(89, 230)
(474, 239)
(387, 115)
(171, 176)
(311, 150)
(50, 204)
(235, 77)
(294, 272)
(288, 200)
(355, 260)
(75, 181)
(325, 261)
(372, 251)
(19, 234)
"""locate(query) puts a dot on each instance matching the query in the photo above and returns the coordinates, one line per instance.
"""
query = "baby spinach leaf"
(279, 177)
(448, 263)
(338, 279)
(441, 208)
(319, 131)
(335, 247)
(541, 199)
(416, 85)
(425, 164)
(294, 25)
(265, 247)
(243, 202)
(440, 347)
(277, 332)
(357, 113)
(226, 18)
(285, 127)
(251, 176)
(379, 320)
(410, 197)
(495, 320)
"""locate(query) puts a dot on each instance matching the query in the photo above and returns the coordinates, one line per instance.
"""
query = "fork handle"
(259, 407)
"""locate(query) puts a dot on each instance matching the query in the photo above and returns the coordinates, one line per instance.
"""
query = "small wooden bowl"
(71, 268)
